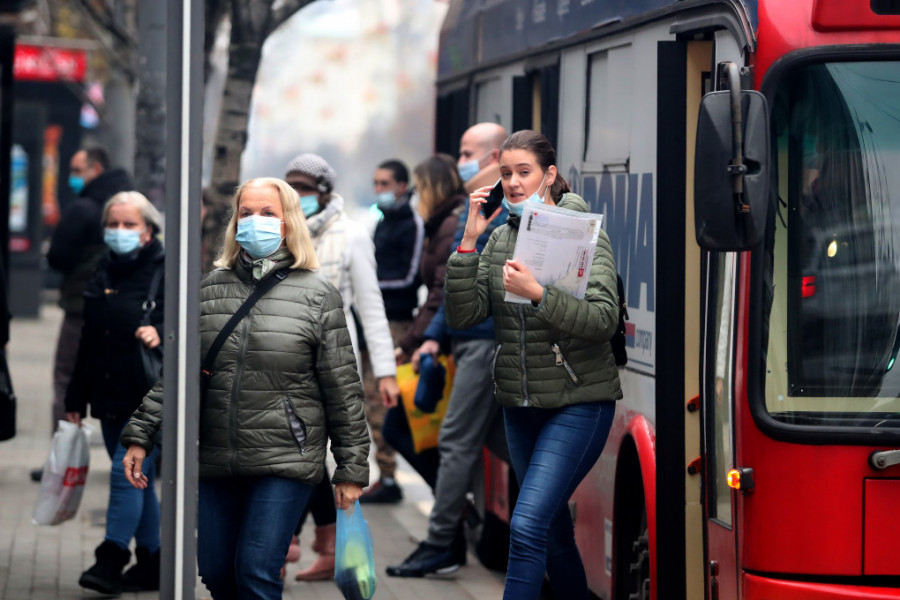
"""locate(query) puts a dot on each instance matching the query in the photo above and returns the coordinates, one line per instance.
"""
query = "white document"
(557, 245)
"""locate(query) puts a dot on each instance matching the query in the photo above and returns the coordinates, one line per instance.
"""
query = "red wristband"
(461, 251)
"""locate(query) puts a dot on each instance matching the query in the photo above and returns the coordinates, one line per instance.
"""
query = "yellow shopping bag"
(424, 426)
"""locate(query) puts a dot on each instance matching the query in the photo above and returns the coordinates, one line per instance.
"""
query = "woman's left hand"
(148, 335)
(346, 494)
(517, 279)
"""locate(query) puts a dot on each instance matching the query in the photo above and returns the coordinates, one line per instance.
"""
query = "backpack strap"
(264, 286)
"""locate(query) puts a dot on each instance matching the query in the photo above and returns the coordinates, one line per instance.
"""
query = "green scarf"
(260, 267)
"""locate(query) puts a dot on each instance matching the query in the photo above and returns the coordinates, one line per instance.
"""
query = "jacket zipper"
(522, 353)
(561, 361)
(494, 368)
(289, 410)
(235, 392)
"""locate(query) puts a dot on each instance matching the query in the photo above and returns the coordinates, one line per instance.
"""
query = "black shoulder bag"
(150, 360)
(206, 368)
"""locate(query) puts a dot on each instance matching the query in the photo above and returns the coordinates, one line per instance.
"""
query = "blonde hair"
(296, 239)
(148, 212)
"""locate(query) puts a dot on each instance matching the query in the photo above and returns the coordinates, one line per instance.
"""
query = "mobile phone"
(493, 201)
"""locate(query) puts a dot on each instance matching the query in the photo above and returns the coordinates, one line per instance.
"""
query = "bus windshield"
(834, 320)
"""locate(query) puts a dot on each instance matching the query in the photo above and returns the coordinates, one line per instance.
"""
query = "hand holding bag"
(425, 426)
(354, 557)
(65, 474)
(7, 402)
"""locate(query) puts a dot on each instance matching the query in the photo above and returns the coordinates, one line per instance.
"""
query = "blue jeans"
(130, 513)
(551, 450)
(244, 528)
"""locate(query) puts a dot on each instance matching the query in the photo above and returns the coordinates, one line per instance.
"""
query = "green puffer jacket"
(550, 355)
(284, 380)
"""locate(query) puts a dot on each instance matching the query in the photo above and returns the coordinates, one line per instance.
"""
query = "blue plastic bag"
(354, 556)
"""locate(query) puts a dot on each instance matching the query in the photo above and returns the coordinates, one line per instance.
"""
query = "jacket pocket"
(494, 366)
(296, 424)
(562, 362)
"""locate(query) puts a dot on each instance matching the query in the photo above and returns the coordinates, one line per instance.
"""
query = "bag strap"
(150, 303)
(261, 289)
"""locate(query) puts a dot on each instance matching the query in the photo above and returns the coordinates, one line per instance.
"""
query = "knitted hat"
(316, 167)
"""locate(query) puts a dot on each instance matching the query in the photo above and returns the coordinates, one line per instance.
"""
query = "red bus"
(746, 158)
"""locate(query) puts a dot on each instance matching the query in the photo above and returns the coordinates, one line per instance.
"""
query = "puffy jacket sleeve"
(594, 317)
(468, 300)
(369, 304)
(342, 394)
(146, 421)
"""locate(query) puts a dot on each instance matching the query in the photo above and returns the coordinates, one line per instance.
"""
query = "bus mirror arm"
(737, 168)
(883, 459)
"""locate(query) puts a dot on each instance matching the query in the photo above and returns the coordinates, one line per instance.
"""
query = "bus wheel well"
(631, 556)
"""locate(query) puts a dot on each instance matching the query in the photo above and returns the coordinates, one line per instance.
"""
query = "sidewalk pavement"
(44, 563)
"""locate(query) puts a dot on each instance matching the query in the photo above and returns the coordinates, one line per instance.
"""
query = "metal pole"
(184, 100)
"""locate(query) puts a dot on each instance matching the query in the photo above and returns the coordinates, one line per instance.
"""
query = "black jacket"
(398, 239)
(108, 356)
(77, 243)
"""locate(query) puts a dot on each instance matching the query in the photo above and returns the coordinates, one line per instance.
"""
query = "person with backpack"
(281, 384)
(554, 370)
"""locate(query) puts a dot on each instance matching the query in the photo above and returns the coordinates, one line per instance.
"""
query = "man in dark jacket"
(398, 239)
(473, 419)
(75, 250)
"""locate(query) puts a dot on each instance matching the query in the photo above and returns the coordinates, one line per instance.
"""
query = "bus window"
(834, 323)
(719, 415)
(608, 118)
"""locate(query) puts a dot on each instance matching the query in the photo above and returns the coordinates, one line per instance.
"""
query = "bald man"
(473, 418)
(479, 155)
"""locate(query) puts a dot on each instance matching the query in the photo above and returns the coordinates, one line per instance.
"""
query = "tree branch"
(108, 22)
(284, 10)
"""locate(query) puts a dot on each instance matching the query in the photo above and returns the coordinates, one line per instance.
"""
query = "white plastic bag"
(65, 474)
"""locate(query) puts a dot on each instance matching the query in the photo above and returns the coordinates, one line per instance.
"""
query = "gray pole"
(150, 151)
(184, 99)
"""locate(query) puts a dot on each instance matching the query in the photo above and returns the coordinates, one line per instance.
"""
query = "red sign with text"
(49, 63)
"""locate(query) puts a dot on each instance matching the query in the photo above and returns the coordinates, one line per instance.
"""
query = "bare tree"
(252, 21)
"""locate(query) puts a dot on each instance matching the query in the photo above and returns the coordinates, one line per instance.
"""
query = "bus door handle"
(884, 458)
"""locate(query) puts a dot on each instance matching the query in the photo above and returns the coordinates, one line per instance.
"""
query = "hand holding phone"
(493, 201)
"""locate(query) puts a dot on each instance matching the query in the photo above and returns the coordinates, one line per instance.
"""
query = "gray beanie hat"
(315, 166)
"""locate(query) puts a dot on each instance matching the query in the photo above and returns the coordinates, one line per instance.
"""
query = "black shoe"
(428, 559)
(106, 574)
(382, 493)
(144, 575)
(37, 474)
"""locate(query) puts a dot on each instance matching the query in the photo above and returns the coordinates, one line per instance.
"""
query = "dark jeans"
(321, 504)
(551, 450)
(244, 527)
(130, 513)
(396, 432)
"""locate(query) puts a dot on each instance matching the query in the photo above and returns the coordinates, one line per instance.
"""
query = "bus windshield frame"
(823, 330)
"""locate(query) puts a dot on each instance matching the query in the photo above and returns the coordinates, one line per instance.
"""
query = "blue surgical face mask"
(122, 241)
(76, 183)
(259, 236)
(385, 200)
(309, 205)
(516, 209)
(470, 168)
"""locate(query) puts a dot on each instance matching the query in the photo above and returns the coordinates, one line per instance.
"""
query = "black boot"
(106, 574)
(144, 575)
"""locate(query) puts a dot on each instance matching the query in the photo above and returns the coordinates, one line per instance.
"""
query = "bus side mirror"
(731, 170)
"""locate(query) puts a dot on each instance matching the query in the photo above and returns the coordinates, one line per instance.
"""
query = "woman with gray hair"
(107, 376)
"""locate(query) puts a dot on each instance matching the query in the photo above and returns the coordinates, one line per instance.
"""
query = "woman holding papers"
(554, 371)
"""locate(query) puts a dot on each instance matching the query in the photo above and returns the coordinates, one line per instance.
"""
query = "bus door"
(721, 293)
(536, 99)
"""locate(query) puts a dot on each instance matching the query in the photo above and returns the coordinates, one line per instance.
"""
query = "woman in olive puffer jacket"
(283, 382)
(554, 371)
